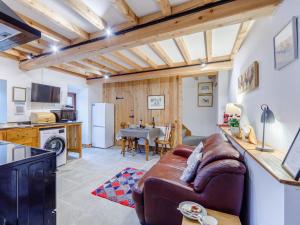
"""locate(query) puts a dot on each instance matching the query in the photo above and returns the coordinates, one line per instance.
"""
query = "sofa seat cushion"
(174, 161)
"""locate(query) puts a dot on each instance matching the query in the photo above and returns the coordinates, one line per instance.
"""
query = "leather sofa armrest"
(163, 198)
(183, 150)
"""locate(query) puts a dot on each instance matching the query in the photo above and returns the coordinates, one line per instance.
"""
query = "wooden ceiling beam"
(114, 64)
(165, 7)
(126, 60)
(183, 49)
(100, 66)
(127, 12)
(55, 17)
(187, 71)
(161, 53)
(142, 56)
(242, 34)
(87, 13)
(9, 56)
(63, 69)
(29, 49)
(208, 45)
(45, 30)
(221, 15)
(85, 67)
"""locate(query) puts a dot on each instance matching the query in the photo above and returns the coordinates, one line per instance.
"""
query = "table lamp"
(267, 116)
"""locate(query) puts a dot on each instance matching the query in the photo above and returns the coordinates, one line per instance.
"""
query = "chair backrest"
(170, 133)
(124, 125)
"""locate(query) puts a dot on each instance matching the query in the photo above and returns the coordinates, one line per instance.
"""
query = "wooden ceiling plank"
(142, 56)
(127, 12)
(87, 13)
(45, 29)
(230, 13)
(113, 64)
(182, 47)
(9, 56)
(187, 71)
(100, 66)
(126, 60)
(208, 45)
(17, 53)
(165, 7)
(242, 34)
(161, 53)
(55, 17)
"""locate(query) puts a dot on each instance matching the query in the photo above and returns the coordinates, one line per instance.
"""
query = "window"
(71, 101)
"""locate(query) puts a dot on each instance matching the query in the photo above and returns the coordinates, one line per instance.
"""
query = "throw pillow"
(197, 150)
(189, 172)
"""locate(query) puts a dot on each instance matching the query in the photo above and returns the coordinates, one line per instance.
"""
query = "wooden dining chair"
(168, 141)
(130, 144)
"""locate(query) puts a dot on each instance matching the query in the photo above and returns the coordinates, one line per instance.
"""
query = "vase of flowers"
(234, 124)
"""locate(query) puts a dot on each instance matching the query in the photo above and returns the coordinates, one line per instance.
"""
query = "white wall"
(15, 77)
(279, 89)
(200, 120)
(223, 84)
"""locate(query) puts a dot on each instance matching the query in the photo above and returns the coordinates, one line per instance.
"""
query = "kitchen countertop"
(13, 154)
(4, 126)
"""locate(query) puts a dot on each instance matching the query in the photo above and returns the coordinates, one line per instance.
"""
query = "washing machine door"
(56, 144)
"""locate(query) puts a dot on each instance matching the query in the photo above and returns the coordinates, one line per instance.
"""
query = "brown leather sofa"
(218, 185)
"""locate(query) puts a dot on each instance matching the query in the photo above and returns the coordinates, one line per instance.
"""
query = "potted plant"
(234, 124)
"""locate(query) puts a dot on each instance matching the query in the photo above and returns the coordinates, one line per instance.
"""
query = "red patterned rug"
(119, 188)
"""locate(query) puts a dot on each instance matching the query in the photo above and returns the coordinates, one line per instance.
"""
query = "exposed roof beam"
(17, 53)
(183, 50)
(242, 34)
(208, 45)
(142, 56)
(87, 13)
(9, 56)
(29, 49)
(100, 66)
(226, 14)
(63, 69)
(124, 8)
(45, 29)
(55, 17)
(165, 7)
(85, 67)
(187, 71)
(113, 64)
(126, 60)
(161, 53)
(40, 43)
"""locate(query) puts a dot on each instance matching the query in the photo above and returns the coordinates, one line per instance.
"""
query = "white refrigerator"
(102, 125)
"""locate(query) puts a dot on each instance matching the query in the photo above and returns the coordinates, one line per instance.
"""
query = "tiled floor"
(76, 180)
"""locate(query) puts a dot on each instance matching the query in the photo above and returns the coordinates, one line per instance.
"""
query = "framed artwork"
(249, 80)
(205, 88)
(19, 94)
(156, 102)
(286, 45)
(205, 100)
(292, 158)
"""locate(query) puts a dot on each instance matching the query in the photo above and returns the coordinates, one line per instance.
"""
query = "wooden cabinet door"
(23, 136)
(2, 135)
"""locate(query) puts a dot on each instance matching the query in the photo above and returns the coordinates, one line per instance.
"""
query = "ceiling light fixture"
(29, 56)
(106, 76)
(54, 48)
(108, 32)
(203, 64)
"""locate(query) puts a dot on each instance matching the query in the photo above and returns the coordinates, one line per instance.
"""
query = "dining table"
(148, 134)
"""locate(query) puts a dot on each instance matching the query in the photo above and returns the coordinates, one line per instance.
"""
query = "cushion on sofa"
(183, 150)
(193, 162)
(196, 151)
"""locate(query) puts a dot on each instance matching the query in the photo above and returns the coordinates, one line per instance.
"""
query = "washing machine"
(54, 139)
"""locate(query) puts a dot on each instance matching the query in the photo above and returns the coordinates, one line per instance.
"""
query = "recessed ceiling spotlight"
(108, 32)
(29, 56)
(54, 48)
(203, 64)
(106, 76)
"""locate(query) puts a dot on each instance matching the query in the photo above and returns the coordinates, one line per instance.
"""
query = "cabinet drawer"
(14, 135)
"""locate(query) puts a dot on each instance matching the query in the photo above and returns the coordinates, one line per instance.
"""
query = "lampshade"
(232, 109)
(267, 114)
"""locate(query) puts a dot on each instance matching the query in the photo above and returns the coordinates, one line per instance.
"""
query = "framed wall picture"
(205, 88)
(249, 80)
(205, 100)
(19, 94)
(156, 102)
(292, 158)
(286, 45)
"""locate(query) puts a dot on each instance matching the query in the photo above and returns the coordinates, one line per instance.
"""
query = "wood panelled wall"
(130, 98)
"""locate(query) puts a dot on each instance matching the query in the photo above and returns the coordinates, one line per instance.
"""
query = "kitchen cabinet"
(23, 136)
(28, 186)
